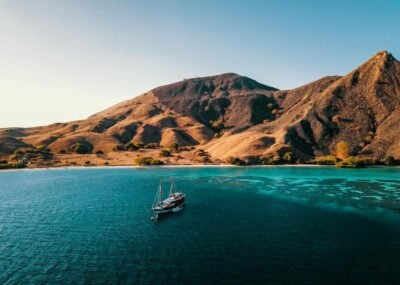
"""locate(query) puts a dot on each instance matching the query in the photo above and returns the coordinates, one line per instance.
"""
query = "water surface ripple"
(274, 225)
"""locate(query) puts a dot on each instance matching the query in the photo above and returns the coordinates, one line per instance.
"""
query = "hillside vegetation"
(230, 118)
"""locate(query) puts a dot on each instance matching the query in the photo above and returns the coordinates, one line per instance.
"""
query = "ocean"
(240, 225)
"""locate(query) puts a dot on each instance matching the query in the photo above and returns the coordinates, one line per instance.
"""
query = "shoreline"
(187, 166)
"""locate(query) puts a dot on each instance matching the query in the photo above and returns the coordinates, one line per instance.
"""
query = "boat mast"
(160, 191)
(172, 187)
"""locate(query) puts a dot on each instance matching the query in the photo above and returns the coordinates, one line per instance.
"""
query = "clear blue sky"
(65, 60)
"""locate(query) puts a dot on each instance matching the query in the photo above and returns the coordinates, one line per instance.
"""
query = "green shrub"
(367, 161)
(217, 125)
(13, 165)
(268, 160)
(184, 148)
(165, 153)
(119, 148)
(235, 161)
(151, 145)
(276, 159)
(355, 162)
(18, 165)
(31, 150)
(325, 160)
(288, 157)
(202, 159)
(368, 139)
(174, 147)
(200, 152)
(156, 162)
(19, 152)
(81, 148)
(132, 147)
(148, 161)
(44, 150)
(32, 153)
(389, 160)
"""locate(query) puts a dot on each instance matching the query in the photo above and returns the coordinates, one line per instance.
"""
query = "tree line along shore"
(152, 154)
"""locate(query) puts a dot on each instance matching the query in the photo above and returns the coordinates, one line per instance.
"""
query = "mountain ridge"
(230, 115)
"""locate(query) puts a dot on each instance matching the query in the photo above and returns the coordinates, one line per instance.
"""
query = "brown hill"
(361, 108)
(231, 115)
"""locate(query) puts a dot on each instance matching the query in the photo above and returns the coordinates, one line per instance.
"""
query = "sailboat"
(174, 202)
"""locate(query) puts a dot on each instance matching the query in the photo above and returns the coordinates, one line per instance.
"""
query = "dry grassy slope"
(361, 108)
(176, 113)
(238, 100)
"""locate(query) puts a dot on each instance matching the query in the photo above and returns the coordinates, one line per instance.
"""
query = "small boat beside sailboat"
(173, 203)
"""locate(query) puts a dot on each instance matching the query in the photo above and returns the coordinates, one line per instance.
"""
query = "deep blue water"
(273, 225)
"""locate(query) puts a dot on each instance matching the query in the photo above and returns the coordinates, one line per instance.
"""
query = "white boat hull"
(177, 209)
(173, 210)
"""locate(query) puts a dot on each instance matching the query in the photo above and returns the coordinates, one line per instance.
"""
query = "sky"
(66, 60)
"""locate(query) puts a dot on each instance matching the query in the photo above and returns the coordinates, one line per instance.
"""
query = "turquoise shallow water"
(274, 225)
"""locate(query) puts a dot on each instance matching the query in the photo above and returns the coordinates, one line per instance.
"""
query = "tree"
(19, 152)
(325, 160)
(119, 147)
(82, 147)
(217, 125)
(355, 162)
(148, 161)
(389, 160)
(288, 157)
(342, 149)
(165, 152)
(131, 146)
(174, 147)
(235, 161)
